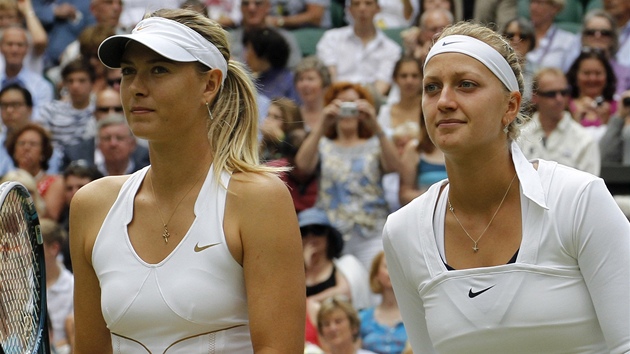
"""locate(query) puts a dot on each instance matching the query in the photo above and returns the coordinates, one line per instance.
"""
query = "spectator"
(553, 44)
(312, 78)
(615, 144)
(418, 40)
(360, 53)
(407, 76)
(63, 20)
(382, 330)
(599, 31)
(30, 148)
(396, 14)
(13, 47)
(71, 121)
(592, 83)
(299, 13)
(225, 12)
(282, 118)
(59, 284)
(422, 165)
(16, 106)
(338, 325)
(620, 10)
(254, 13)
(28, 181)
(114, 151)
(134, 10)
(352, 154)
(494, 13)
(520, 32)
(552, 134)
(21, 13)
(266, 55)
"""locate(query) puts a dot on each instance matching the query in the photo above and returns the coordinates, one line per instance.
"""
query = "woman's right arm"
(307, 157)
(88, 209)
(408, 189)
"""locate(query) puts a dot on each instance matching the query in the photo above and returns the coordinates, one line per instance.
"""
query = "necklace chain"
(450, 207)
(165, 233)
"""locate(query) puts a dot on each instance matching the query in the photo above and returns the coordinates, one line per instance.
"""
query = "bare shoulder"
(99, 193)
(253, 187)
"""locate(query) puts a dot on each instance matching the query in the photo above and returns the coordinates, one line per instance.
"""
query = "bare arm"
(390, 162)
(408, 173)
(307, 157)
(87, 211)
(259, 208)
(34, 26)
(55, 198)
(312, 16)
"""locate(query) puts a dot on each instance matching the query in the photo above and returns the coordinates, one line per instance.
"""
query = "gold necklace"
(165, 233)
(450, 207)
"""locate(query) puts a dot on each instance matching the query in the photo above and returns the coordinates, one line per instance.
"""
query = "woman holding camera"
(352, 153)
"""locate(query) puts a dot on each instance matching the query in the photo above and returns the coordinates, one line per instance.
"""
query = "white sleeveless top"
(193, 301)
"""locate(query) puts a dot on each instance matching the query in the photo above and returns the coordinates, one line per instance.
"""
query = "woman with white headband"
(199, 252)
(506, 255)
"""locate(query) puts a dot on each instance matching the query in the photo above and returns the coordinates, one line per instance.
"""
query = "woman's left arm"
(390, 161)
(604, 259)
(55, 198)
(260, 206)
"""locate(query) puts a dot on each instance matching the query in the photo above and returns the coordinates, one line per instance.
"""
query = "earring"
(506, 128)
(209, 112)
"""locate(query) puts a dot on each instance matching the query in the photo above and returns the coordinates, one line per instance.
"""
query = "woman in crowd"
(312, 79)
(521, 36)
(338, 325)
(283, 116)
(592, 82)
(30, 147)
(422, 164)
(194, 251)
(352, 153)
(506, 253)
(408, 77)
(382, 330)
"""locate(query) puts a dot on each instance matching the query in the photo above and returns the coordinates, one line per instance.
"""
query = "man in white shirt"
(360, 53)
(552, 134)
(620, 10)
(553, 44)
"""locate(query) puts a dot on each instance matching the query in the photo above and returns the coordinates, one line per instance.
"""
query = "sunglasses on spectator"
(314, 230)
(512, 35)
(107, 109)
(602, 32)
(554, 93)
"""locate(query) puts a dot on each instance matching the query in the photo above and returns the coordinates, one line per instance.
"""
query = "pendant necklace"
(475, 248)
(165, 233)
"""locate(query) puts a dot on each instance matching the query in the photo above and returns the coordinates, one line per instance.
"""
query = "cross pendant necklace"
(166, 234)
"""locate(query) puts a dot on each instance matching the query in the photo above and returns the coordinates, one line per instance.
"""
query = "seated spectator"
(418, 40)
(520, 33)
(351, 153)
(75, 176)
(600, 31)
(407, 76)
(14, 47)
(553, 44)
(299, 13)
(403, 135)
(552, 134)
(615, 144)
(266, 55)
(21, 13)
(59, 284)
(593, 83)
(495, 14)
(28, 181)
(312, 78)
(360, 53)
(382, 330)
(225, 12)
(620, 10)
(71, 121)
(30, 148)
(254, 13)
(396, 14)
(16, 106)
(283, 116)
(422, 164)
(114, 150)
(339, 325)
(327, 272)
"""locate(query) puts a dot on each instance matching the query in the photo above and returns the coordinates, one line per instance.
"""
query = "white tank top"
(193, 301)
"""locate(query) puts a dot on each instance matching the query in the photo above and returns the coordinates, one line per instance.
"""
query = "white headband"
(170, 39)
(479, 50)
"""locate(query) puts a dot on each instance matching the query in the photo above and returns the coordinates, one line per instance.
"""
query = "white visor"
(168, 38)
(479, 50)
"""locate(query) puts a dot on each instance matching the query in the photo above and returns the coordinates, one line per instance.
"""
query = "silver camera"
(348, 109)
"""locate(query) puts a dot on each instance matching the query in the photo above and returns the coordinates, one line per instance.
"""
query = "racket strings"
(19, 305)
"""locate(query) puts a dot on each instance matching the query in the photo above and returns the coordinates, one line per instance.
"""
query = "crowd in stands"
(339, 92)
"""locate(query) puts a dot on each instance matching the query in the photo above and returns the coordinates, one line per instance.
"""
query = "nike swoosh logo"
(472, 294)
(201, 248)
(449, 43)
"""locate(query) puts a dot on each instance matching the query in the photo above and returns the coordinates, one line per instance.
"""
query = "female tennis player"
(201, 251)
(507, 255)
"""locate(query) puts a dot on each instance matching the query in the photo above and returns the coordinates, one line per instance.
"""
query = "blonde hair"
(52, 232)
(334, 303)
(28, 181)
(500, 44)
(376, 285)
(233, 132)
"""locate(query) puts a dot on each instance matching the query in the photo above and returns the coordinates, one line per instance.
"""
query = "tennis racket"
(23, 324)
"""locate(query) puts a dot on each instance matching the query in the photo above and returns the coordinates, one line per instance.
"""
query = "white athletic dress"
(191, 302)
(567, 292)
